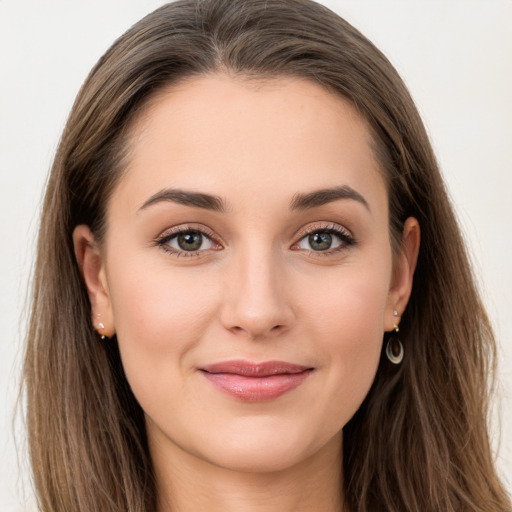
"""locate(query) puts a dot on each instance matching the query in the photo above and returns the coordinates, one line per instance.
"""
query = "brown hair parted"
(419, 442)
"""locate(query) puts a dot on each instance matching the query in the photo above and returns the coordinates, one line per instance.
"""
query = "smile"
(255, 382)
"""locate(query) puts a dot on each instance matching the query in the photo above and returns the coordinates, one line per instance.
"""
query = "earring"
(394, 347)
(101, 325)
(395, 350)
(396, 315)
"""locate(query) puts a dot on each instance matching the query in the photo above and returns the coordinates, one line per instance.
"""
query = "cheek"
(348, 325)
(349, 307)
(160, 316)
(159, 306)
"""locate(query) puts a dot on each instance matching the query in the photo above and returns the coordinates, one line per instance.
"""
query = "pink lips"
(255, 382)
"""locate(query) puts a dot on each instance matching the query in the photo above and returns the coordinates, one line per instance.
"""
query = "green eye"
(189, 241)
(320, 241)
(328, 239)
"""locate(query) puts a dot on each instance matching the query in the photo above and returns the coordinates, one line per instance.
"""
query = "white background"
(455, 56)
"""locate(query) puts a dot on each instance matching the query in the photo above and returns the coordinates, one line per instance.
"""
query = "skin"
(256, 290)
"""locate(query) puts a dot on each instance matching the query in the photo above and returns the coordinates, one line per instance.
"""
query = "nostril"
(256, 333)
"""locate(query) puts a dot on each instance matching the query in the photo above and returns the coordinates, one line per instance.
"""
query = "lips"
(255, 382)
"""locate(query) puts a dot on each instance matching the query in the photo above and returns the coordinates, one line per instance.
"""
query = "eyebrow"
(214, 203)
(187, 198)
(326, 195)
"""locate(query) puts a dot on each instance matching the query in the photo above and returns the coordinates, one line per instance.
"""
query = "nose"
(256, 303)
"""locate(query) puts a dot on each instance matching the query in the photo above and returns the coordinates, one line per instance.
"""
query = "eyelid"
(163, 238)
(323, 226)
(343, 233)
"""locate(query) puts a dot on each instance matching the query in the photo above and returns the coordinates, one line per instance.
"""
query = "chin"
(269, 452)
(270, 461)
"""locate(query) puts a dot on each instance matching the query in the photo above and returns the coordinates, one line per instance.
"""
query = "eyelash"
(162, 241)
(345, 237)
(342, 234)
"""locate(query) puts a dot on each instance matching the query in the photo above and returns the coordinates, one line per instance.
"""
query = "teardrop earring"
(394, 347)
(395, 350)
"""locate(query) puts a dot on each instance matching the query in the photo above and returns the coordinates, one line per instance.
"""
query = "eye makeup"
(324, 239)
(190, 240)
(193, 240)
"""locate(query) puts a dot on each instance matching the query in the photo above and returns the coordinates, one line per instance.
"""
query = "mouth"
(256, 382)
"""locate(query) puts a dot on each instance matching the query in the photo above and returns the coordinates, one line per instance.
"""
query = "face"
(247, 270)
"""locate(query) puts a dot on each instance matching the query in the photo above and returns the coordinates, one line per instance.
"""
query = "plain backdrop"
(455, 56)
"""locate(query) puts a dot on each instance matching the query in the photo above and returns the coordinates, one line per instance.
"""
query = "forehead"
(227, 135)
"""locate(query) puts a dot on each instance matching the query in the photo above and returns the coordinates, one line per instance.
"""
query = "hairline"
(137, 117)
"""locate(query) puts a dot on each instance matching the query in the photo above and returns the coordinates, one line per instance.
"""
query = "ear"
(92, 268)
(403, 273)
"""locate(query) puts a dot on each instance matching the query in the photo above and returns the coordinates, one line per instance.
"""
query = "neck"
(186, 483)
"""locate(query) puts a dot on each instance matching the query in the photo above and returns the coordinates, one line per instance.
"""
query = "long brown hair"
(419, 442)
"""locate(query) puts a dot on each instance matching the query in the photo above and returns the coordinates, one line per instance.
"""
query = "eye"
(187, 242)
(320, 241)
(190, 241)
(325, 239)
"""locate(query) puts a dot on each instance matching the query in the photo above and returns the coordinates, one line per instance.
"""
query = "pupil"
(320, 241)
(190, 241)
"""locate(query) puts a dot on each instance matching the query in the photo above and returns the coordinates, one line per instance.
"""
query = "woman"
(232, 310)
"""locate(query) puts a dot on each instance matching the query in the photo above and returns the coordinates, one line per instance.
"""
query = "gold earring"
(394, 347)
(101, 325)
(397, 315)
